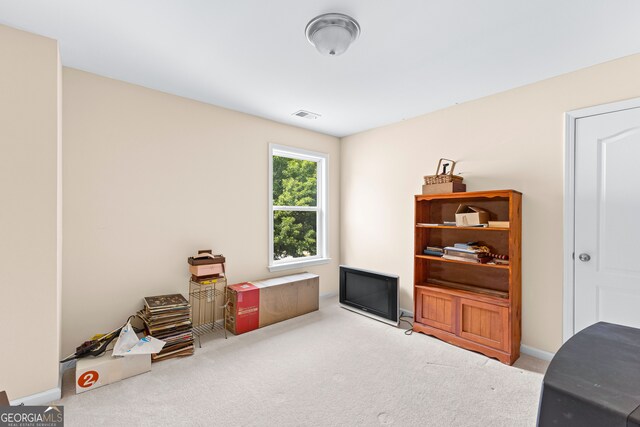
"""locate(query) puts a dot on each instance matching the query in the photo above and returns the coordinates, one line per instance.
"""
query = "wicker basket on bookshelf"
(443, 178)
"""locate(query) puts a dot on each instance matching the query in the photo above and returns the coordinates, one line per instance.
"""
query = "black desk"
(594, 380)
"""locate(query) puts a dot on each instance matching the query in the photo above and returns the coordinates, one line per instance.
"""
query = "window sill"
(298, 264)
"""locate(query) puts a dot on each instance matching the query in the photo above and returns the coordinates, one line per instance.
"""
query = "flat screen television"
(370, 293)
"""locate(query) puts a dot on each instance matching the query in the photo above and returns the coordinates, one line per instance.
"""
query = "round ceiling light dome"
(332, 33)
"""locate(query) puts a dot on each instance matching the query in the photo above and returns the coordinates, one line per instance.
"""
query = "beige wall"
(513, 140)
(29, 220)
(149, 178)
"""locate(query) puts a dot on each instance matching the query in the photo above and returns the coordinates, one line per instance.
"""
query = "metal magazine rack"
(207, 313)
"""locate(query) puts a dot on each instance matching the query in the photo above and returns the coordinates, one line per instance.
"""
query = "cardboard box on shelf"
(265, 302)
(499, 224)
(94, 372)
(447, 187)
(206, 269)
(470, 215)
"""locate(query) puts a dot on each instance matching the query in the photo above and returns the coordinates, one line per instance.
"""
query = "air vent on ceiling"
(306, 114)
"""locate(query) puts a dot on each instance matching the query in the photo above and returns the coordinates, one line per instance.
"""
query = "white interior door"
(607, 219)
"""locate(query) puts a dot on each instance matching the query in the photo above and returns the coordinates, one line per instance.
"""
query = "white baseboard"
(48, 396)
(42, 398)
(537, 353)
(329, 295)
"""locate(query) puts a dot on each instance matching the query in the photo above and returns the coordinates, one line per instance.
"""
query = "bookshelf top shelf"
(453, 227)
(467, 195)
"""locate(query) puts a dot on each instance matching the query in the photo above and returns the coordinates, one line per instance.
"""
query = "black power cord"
(403, 319)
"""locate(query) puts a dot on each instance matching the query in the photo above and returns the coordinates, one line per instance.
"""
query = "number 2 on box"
(88, 379)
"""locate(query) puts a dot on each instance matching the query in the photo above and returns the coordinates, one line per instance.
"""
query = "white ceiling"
(413, 56)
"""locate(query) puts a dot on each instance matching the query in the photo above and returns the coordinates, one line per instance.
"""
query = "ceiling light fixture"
(332, 33)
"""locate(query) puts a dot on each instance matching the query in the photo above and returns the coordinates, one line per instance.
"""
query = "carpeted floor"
(328, 368)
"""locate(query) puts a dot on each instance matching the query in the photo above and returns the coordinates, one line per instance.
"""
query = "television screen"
(370, 293)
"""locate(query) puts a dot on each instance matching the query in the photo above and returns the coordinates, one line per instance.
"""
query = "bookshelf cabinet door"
(484, 323)
(436, 310)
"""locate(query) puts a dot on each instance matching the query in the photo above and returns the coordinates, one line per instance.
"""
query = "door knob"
(584, 257)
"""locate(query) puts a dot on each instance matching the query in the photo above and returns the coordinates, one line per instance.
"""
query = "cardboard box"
(499, 224)
(243, 303)
(265, 302)
(206, 269)
(471, 215)
(94, 372)
(282, 298)
(447, 187)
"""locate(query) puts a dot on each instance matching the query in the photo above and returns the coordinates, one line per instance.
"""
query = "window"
(297, 207)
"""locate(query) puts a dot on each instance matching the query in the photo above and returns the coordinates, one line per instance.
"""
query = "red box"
(243, 313)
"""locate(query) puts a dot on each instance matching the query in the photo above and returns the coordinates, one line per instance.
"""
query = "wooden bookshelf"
(471, 305)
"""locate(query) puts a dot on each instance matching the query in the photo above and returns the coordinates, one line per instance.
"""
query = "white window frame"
(322, 217)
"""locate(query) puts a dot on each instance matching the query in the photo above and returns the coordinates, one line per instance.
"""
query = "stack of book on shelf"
(168, 318)
(467, 252)
(434, 251)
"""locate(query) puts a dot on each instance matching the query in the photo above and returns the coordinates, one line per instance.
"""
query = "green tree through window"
(295, 184)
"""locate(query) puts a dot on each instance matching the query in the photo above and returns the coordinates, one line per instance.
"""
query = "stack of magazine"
(467, 252)
(168, 318)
